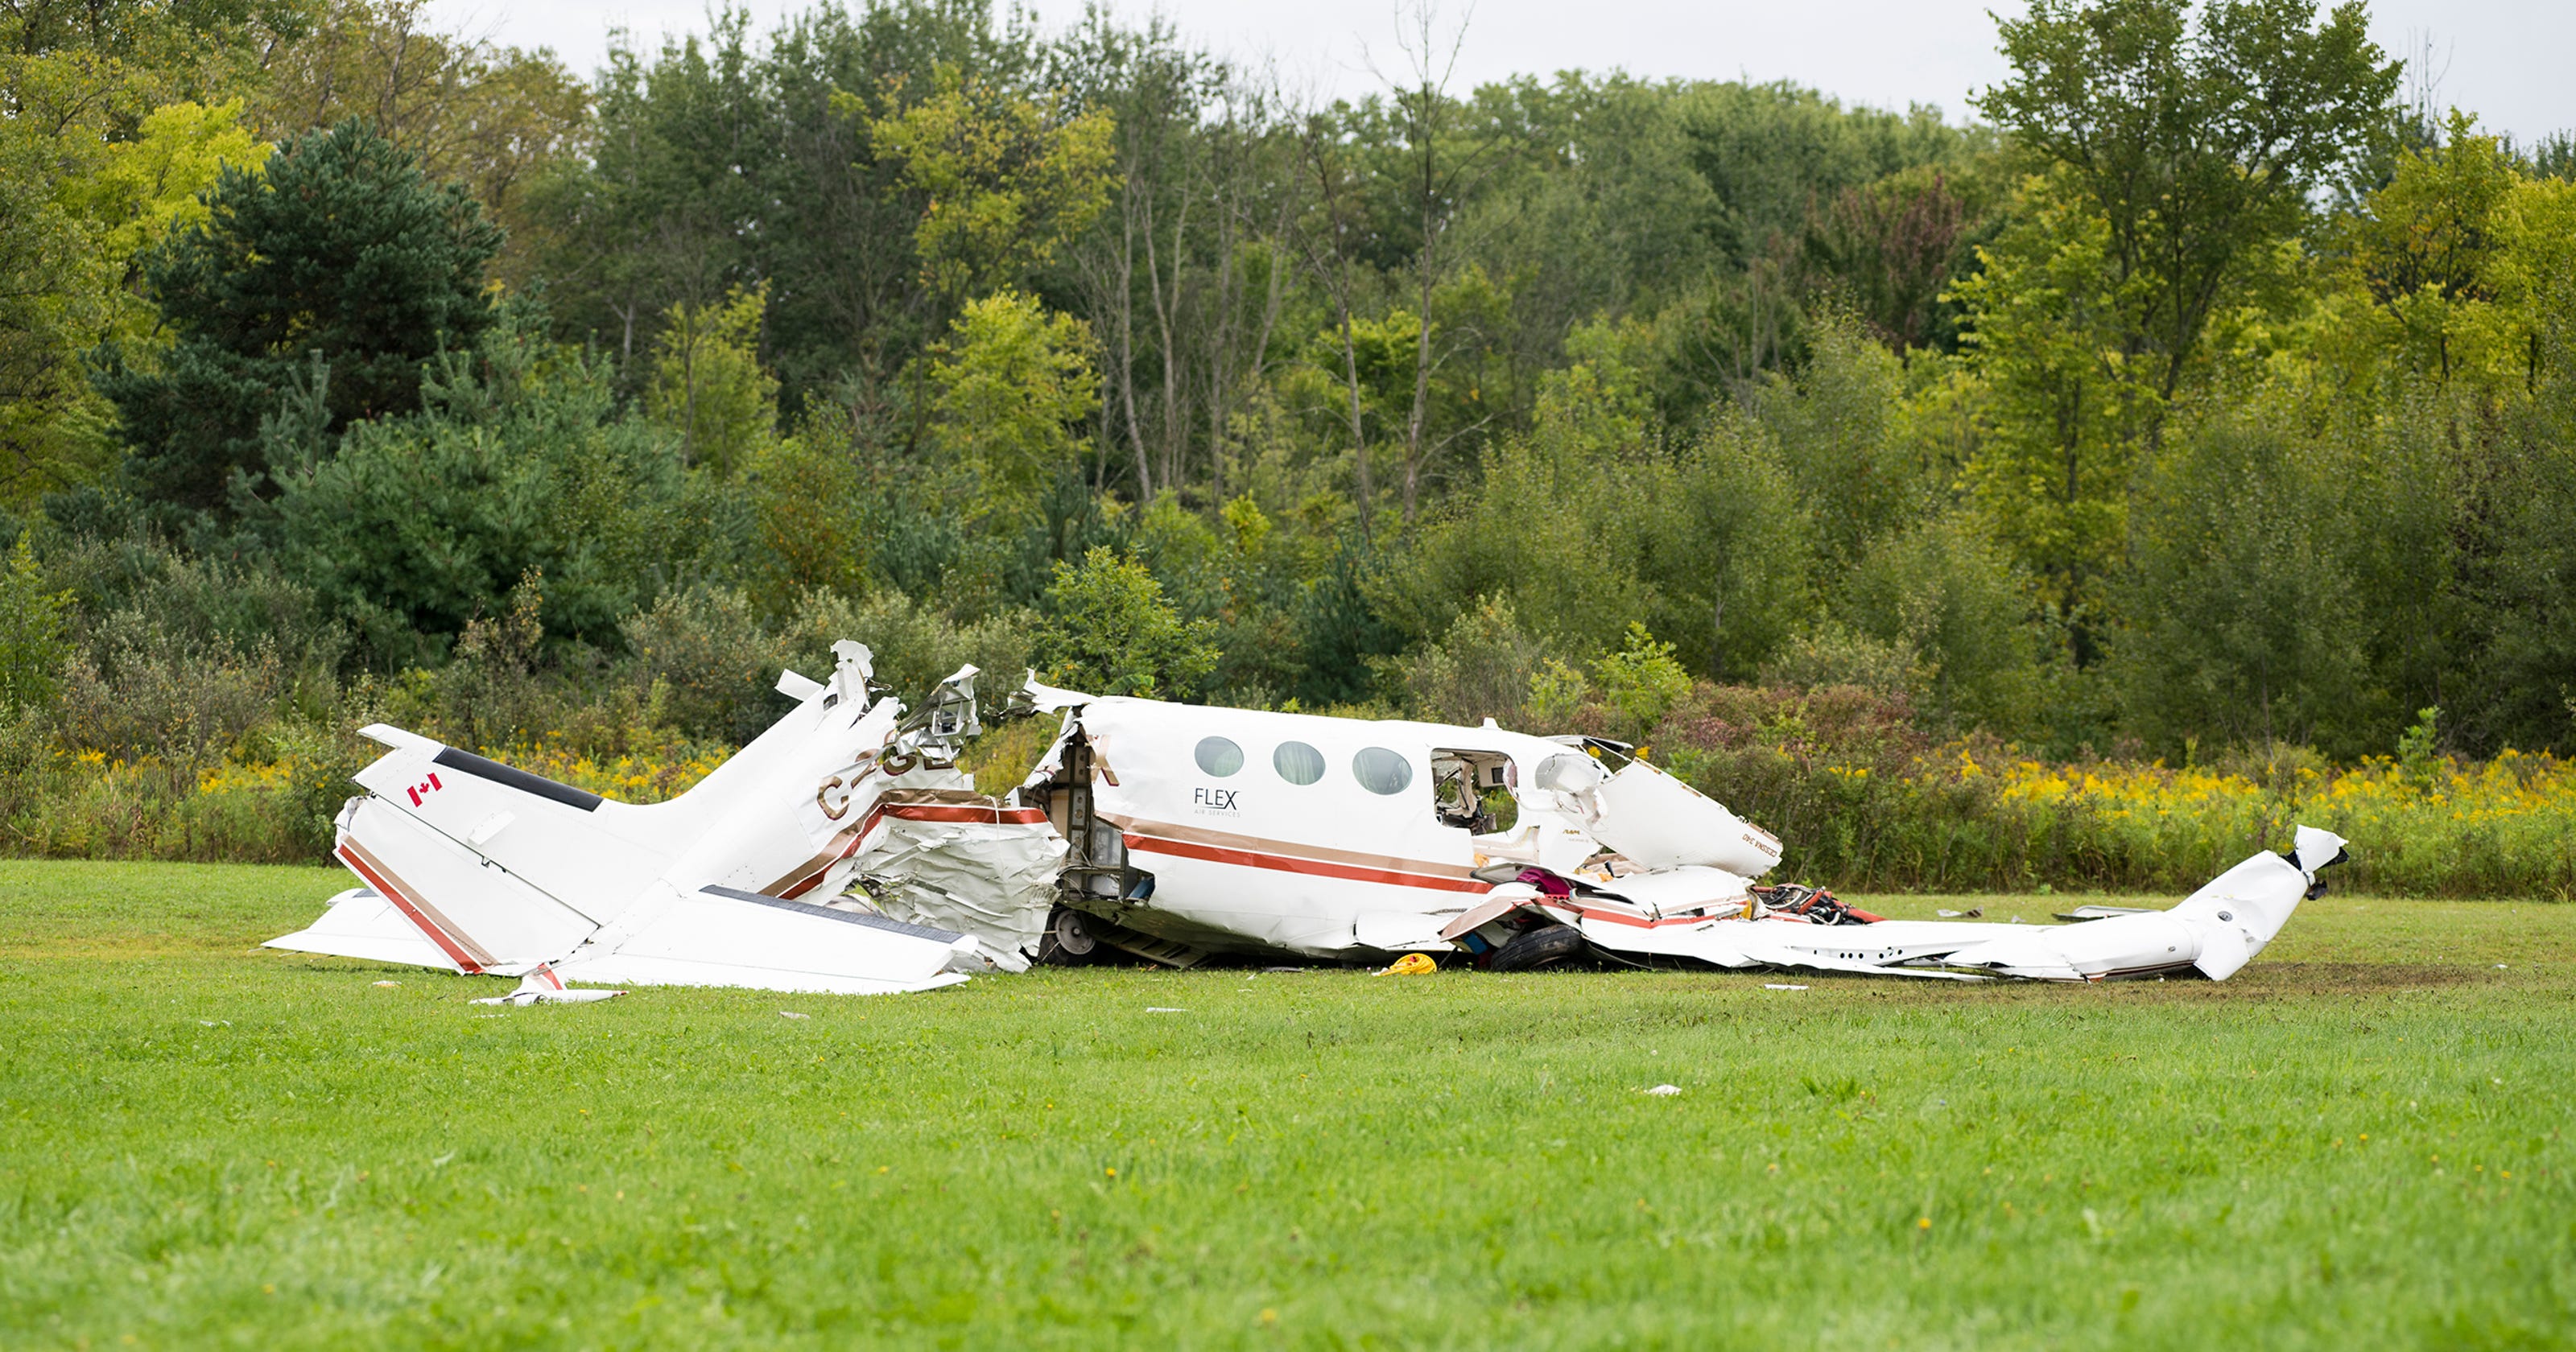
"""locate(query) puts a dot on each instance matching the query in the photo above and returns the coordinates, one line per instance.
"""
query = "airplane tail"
(506, 872)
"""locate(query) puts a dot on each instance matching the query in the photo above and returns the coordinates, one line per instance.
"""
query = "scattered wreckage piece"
(544, 987)
(476, 867)
(1247, 831)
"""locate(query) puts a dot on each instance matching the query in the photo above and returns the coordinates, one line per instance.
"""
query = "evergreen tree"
(337, 247)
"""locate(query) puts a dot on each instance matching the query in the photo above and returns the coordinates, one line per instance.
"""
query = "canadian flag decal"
(417, 790)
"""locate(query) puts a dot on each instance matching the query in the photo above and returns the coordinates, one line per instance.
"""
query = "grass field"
(2356, 1143)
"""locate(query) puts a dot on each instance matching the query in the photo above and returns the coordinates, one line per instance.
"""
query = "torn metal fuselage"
(1194, 830)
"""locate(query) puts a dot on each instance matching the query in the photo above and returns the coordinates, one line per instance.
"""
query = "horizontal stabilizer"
(361, 924)
(721, 936)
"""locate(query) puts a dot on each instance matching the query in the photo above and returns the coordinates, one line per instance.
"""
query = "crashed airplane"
(843, 851)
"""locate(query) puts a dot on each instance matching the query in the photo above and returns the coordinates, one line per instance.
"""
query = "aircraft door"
(1474, 790)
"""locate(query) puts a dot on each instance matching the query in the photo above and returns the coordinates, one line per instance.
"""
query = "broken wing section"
(2214, 932)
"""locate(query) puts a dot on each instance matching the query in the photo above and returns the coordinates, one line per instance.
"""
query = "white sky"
(2503, 59)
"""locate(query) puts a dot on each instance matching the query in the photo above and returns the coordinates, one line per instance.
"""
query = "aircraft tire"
(1069, 941)
(1546, 946)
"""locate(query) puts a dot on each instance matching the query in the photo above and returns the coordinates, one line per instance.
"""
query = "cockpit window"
(1382, 771)
(1219, 757)
(1298, 763)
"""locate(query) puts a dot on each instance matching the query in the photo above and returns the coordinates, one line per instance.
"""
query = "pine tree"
(338, 246)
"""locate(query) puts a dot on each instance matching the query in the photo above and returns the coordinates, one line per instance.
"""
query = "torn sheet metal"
(957, 860)
(1659, 822)
(501, 871)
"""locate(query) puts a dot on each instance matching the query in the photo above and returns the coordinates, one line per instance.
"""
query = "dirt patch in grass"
(2353, 978)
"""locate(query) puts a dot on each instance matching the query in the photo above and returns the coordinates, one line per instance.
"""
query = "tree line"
(2209, 384)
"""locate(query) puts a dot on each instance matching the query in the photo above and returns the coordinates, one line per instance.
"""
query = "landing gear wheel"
(1069, 940)
(1546, 946)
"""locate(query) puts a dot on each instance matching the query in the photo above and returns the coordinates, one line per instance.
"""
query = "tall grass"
(1864, 801)
(1860, 795)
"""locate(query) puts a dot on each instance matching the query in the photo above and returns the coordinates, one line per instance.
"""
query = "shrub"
(1834, 654)
(489, 693)
(1482, 667)
(141, 692)
(1108, 629)
(916, 647)
(241, 599)
(1640, 683)
(716, 662)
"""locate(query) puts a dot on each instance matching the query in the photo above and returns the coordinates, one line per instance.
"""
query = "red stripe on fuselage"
(982, 816)
(801, 883)
(392, 891)
(1285, 863)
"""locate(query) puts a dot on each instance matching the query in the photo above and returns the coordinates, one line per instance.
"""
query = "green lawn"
(2356, 1143)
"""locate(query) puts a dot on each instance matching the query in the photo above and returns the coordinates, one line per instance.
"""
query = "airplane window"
(1219, 757)
(1298, 763)
(1382, 771)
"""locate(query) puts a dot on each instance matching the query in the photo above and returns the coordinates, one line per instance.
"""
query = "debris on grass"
(1662, 1090)
(792, 1014)
(543, 987)
(1773, 986)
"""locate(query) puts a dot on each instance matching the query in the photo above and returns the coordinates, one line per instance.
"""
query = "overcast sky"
(2503, 59)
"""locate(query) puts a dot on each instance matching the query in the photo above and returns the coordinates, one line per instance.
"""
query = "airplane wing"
(2213, 932)
(1737, 943)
